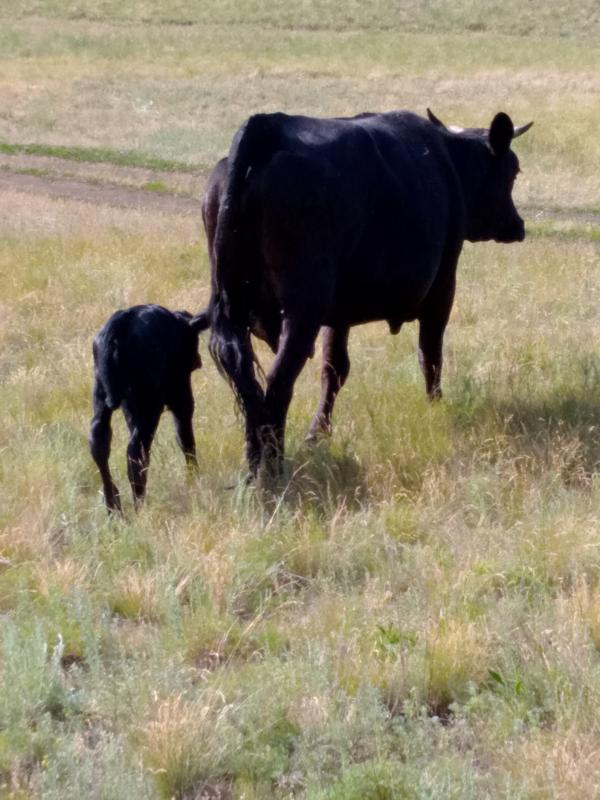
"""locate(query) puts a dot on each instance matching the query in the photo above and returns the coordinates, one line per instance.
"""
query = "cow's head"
(491, 167)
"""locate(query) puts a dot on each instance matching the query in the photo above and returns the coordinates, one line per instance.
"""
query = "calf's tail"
(110, 358)
(110, 371)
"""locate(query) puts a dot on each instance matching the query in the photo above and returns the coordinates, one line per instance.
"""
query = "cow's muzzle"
(515, 232)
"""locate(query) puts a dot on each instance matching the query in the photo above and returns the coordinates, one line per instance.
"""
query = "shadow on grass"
(323, 477)
(560, 429)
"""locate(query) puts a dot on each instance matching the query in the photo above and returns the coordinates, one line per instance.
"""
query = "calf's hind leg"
(100, 439)
(142, 427)
(182, 408)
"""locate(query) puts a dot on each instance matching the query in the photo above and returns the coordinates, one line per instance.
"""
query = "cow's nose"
(515, 232)
(520, 230)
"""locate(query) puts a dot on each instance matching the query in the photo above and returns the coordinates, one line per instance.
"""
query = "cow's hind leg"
(335, 369)
(142, 427)
(182, 407)
(296, 344)
(100, 439)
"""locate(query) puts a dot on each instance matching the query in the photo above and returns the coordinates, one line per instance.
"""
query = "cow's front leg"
(335, 369)
(432, 324)
(431, 358)
(295, 346)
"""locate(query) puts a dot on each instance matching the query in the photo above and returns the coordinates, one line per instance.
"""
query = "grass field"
(418, 615)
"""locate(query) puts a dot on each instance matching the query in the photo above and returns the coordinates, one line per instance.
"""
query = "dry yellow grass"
(418, 615)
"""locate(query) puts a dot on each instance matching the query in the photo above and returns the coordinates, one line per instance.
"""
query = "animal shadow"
(560, 430)
(323, 478)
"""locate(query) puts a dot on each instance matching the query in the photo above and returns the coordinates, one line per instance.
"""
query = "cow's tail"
(230, 344)
(200, 322)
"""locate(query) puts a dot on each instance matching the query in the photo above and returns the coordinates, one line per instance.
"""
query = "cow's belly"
(383, 291)
(390, 269)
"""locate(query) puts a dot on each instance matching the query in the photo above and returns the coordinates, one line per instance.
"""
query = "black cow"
(337, 222)
(143, 360)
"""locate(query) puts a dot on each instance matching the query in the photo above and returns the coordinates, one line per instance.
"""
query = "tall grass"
(423, 594)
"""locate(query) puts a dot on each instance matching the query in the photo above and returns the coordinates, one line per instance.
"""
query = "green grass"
(34, 171)
(418, 614)
(156, 186)
(567, 230)
(96, 155)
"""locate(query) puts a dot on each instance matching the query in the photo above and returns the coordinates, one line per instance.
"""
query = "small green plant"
(156, 186)
(390, 641)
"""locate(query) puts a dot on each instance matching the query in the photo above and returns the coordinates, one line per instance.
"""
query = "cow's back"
(376, 194)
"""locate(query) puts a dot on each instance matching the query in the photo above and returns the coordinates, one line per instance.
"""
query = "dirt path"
(172, 192)
(99, 194)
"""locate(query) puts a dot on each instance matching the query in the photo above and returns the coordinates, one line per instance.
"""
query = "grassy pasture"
(418, 616)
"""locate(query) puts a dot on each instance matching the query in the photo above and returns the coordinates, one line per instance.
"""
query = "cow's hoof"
(114, 507)
(318, 432)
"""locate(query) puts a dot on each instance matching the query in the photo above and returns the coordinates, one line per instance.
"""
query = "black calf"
(143, 359)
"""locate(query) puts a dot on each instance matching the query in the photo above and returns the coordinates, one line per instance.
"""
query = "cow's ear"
(501, 134)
